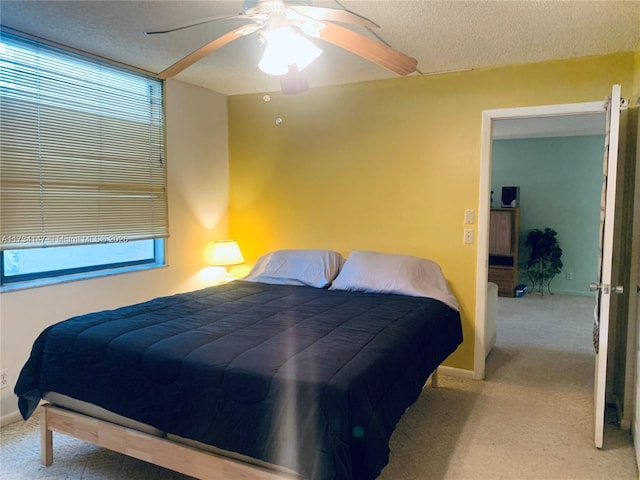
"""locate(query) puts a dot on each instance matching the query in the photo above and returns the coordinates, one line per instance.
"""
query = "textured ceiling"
(442, 35)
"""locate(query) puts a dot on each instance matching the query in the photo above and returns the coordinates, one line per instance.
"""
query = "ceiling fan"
(285, 27)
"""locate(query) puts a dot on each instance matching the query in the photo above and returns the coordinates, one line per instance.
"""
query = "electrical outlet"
(568, 275)
(4, 378)
(468, 235)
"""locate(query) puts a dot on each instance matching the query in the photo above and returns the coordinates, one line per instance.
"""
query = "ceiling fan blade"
(333, 15)
(205, 50)
(193, 23)
(372, 50)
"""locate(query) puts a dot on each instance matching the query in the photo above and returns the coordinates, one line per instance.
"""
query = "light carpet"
(531, 419)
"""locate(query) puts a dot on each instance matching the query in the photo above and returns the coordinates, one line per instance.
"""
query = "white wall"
(197, 173)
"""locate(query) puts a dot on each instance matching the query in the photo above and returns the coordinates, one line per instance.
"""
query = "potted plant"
(544, 258)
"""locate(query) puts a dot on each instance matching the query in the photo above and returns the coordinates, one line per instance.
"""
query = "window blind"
(81, 149)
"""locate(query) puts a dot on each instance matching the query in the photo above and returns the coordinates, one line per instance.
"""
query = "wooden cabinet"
(504, 226)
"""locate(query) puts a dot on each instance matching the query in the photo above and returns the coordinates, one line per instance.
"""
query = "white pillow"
(315, 268)
(392, 273)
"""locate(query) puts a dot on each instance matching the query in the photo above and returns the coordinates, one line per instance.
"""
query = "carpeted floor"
(533, 416)
(530, 419)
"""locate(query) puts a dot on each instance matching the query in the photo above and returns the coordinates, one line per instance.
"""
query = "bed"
(301, 370)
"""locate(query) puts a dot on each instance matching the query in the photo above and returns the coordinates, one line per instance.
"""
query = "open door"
(604, 286)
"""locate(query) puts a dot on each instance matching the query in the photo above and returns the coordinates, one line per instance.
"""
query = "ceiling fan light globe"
(273, 62)
(285, 47)
(311, 28)
(305, 53)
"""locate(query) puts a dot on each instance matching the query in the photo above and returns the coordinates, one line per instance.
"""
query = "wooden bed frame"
(143, 446)
(159, 451)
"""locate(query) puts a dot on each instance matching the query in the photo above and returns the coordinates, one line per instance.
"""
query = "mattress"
(309, 379)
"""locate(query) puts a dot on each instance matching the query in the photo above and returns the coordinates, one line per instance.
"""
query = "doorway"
(614, 196)
(490, 121)
(556, 164)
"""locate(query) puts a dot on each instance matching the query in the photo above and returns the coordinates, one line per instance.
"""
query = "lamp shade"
(223, 253)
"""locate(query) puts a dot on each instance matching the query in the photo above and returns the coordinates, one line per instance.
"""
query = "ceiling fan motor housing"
(261, 7)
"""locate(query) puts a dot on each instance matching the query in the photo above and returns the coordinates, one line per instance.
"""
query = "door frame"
(484, 203)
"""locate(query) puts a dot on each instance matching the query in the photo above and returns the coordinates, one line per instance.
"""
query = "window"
(82, 165)
(27, 264)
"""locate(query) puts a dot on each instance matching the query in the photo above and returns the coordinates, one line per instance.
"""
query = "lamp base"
(226, 277)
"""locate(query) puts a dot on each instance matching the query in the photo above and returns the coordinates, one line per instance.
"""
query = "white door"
(604, 287)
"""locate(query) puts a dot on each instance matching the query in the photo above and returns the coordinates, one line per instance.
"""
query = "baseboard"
(455, 372)
(9, 418)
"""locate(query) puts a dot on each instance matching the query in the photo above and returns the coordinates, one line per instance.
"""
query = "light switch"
(469, 217)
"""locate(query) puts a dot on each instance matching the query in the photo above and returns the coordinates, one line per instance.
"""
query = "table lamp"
(224, 253)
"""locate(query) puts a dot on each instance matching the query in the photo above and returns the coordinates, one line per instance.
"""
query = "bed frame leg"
(434, 379)
(46, 439)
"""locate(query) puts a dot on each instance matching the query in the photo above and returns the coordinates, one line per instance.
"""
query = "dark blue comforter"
(311, 379)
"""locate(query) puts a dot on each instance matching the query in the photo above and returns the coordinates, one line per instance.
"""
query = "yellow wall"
(387, 165)
(636, 72)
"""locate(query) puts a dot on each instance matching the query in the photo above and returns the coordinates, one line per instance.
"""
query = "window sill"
(45, 282)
